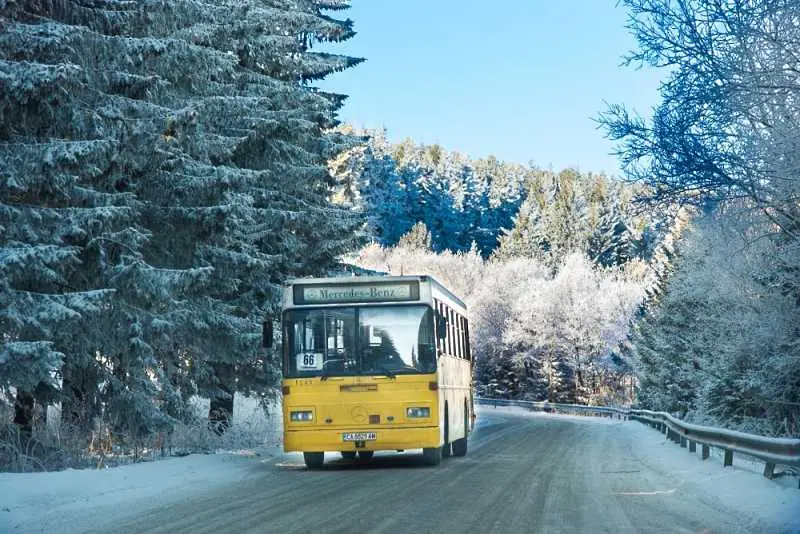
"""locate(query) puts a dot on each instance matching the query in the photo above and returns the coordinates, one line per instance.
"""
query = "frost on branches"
(719, 343)
(536, 335)
(162, 171)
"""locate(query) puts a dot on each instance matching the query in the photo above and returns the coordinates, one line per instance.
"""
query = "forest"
(164, 171)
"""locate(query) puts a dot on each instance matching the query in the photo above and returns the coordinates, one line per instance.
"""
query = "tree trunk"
(220, 410)
(77, 402)
(24, 412)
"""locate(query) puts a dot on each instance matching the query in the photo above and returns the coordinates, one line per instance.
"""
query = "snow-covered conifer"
(164, 169)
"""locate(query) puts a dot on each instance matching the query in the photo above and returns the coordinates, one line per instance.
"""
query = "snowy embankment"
(80, 501)
(741, 486)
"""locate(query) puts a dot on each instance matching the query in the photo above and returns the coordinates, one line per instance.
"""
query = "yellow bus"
(375, 363)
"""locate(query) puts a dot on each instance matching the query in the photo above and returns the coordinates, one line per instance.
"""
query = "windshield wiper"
(386, 371)
(325, 373)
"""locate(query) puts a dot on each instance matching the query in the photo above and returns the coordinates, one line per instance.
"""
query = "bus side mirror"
(266, 334)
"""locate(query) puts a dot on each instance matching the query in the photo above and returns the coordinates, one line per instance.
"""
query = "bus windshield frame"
(357, 340)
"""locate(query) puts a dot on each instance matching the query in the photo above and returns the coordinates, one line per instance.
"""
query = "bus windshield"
(359, 340)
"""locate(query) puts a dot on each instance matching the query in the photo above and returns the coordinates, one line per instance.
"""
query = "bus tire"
(365, 455)
(314, 460)
(460, 445)
(349, 455)
(432, 455)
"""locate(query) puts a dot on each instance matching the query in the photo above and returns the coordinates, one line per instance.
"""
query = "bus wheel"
(460, 445)
(432, 456)
(314, 460)
(349, 455)
(365, 455)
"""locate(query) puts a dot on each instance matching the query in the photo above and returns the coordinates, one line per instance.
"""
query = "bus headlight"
(304, 415)
(422, 411)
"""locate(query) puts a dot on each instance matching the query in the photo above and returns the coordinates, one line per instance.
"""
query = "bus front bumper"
(325, 439)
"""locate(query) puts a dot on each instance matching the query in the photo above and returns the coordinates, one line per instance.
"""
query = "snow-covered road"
(524, 472)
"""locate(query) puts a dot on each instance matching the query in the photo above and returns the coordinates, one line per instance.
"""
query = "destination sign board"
(356, 292)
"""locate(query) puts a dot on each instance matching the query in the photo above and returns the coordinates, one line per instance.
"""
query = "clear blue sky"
(520, 79)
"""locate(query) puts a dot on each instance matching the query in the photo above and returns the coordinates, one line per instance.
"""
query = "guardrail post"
(772, 452)
(769, 470)
(728, 457)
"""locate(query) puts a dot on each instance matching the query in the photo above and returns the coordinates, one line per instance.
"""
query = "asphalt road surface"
(522, 474)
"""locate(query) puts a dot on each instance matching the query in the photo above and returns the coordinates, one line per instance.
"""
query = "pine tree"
(163, 171)
(610, 243)
(567, 225)
(419, 238)
(460, 200)
(528, 238)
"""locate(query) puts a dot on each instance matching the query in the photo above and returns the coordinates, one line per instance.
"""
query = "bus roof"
(371, 279)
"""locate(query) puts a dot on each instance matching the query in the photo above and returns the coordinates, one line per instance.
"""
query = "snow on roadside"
(71, 500)
(740, 487)
(80, 500)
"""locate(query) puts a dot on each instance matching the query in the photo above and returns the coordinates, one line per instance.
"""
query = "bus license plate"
(359, 436)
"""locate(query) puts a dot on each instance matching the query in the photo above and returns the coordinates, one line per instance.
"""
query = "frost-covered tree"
(494, 307)
(163, 169)
(369, 182)
(569, 212)
(459, 200)
(419, 237)
(611, 241)
(727, 124)
(528, 237)
(572, 321)
(724, 137)
(721, 345)
(535, 335)
(568, 227)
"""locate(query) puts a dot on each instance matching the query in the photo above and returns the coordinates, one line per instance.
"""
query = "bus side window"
(452, 331)
(466, 337)
(440, 328)
(459, 338)
(449, 330)
(457, 333)
(466, 340)
(445, 331)
(463, 337)
(463, 333)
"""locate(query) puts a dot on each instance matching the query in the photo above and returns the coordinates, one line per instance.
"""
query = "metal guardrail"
(555, 407)
(772, 451)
